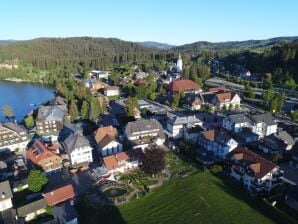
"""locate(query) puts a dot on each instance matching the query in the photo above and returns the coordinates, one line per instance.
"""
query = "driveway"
(291, 173)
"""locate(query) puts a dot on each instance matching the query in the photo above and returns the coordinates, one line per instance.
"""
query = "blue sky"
(170, 21)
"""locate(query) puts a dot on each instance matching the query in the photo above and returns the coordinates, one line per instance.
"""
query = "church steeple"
(179, 63)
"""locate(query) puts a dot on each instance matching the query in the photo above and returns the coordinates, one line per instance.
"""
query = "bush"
(36, 180)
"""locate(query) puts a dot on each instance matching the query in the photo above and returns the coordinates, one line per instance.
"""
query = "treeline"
(280, 61)
(79, 53)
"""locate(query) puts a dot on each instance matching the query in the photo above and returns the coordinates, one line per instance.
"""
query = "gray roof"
(3, 165)
(142, 126)
(267, 118)
(239, 118)
(31, 207)
(285, 137)
(14, 127)
(5, 190)
(75, 141)
(177, 120)
(51, 113)
(64, 213)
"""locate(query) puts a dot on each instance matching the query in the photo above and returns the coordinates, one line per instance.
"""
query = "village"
(138, 144)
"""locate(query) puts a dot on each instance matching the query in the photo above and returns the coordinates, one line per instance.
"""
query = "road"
(291, 96)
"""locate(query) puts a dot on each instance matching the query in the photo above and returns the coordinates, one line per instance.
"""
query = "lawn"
(198, 198)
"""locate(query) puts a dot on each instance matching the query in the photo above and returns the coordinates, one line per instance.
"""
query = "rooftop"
(75, 141)
(5, 191)
(267, 118)
(59, 195)
(183, 85)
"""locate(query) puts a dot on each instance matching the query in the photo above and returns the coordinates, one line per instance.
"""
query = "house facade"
(216, 142)
(44, 157)
(257, 174)
(176, 125)
(111, 91)
(49, 121)
(142, 133)
(237, 122)
(263, 124)
(78, 148)
(226, 99)
(107, 140)
(192, 102)
(13, 137)
(122, 162)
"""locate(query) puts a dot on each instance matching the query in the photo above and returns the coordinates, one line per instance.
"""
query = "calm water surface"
(19, 95)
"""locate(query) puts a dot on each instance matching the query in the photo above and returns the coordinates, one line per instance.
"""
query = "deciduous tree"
(153, 160)
(36, 180)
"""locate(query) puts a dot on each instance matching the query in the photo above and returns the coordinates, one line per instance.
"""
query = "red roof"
(225, 97)
(59, 195)
(256, 163)
(183, 85)
(38, 152)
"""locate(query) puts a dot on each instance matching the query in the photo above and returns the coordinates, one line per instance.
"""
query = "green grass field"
(199, 198)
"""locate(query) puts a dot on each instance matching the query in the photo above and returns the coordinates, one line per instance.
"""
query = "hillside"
(158, 45)
(47, 53)
(235, 45)
(199, 198)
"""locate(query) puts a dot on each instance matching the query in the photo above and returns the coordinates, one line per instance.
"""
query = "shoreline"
(19, 80)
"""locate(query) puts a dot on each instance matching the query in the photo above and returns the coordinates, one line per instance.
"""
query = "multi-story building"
(44, 157)
(49, 121)
(257, 174)
(263, 124)
(13, 137)
(176, 125)
(142, 133)
(107, 140)
(78, 149)
(237, 122)
(226, 99)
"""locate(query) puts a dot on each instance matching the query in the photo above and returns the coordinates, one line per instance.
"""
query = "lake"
(19, 95)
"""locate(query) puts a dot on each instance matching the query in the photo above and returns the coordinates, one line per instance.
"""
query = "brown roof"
(209, 135)
(257, 164)
(114, 161)
(217, 89)
(183, 85)
(59, 195)
(225, 97)
(105, 135)
(38, 152)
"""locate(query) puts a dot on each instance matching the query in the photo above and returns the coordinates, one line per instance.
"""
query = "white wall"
(81, 155)
(5, 204)
(111, 148)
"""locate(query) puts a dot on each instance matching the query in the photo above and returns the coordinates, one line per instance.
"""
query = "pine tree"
(85, 110)
(73, 111)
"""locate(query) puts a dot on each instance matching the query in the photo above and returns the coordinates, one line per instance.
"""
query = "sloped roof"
(51, 113)
(14, 127)
(239, 118)
(38, 152)
(183, 85)
(267, 118)
(59, 195)
(247, 157)
(176, 120)
(31, 207)
(5, 190)
(64, 213)
(225, 97)
(143, 126)
(192, 98)
(75, 141)
(105, 135)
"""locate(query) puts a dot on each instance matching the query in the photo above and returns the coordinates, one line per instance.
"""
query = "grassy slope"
(199, 198)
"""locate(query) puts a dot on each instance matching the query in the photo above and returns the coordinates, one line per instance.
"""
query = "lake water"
(19, 95)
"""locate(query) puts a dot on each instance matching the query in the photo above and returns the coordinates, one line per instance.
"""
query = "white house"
(264, 124)
(5, 196)
(78, 149)
(111, 91)
(236, 122)
(142, 133)
(121, 162)
(107, 140)
(176, 125)
(257, 174)
(99, 74)
(218, 143)
(227, 99)
(13, 137)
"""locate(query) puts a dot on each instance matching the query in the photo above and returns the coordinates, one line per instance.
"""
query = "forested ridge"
(85, 52)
